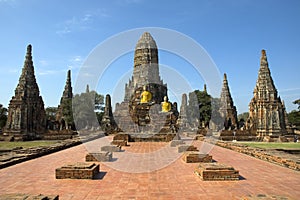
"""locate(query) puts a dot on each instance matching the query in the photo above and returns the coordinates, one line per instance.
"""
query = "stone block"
(196, 157)
(119, 143)
(121, 136)
(111, 148)
(183, 148)
(175, 143)
(216, 172)
(104, 156)
(78, 171)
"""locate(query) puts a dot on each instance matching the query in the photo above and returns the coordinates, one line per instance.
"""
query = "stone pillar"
(108, 123)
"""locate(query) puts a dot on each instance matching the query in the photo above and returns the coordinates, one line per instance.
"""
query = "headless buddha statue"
(165, 105)
(146, 96)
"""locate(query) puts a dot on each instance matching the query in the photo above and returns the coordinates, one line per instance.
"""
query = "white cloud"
(288, 89)
(80, 23)
(76, 59)
(43, 62)
(13, 70)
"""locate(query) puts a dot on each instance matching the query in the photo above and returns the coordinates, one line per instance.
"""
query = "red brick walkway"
(174, 181)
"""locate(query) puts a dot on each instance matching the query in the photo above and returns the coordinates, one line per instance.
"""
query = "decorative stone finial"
(205, 90)
(69, 75)
(29, 48)
(28, 57)
(263, 52)
(87, 90)
(225, 76)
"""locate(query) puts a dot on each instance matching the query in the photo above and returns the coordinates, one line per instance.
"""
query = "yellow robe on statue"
(165, 106)
(146, 97)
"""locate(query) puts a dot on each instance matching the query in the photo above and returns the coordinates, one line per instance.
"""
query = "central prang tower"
(145, 75)
(146, 70)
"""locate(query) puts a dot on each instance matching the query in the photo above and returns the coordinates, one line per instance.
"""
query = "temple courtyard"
(162, 175)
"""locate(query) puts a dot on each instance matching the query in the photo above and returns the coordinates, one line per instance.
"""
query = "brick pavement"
(173, 181)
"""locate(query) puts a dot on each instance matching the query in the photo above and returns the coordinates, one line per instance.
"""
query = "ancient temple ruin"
(266, 110)
(108, 123)
(26, 114)
(64, 113)
(228, 110)
(129, 114)
(183, 122)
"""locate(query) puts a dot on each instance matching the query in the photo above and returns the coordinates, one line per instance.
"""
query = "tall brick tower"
(145, 73)
(266, 110)
(228, 110)
(26, 114)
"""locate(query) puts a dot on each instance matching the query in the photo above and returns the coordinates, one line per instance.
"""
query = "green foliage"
(3, 116)
(297, 102)
(243, 116)
(294, 118)
(200, 106)
(28, 144)
(84, 107)
(51, 113)
(67, 112)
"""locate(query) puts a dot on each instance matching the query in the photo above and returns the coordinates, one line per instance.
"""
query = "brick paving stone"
(170, 179)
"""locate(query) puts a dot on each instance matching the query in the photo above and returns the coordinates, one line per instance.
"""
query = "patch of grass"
(272, 145)
(27, 144)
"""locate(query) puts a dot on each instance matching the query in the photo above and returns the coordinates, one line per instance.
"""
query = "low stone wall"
(28, 197)
(20, 155)
(261, 154)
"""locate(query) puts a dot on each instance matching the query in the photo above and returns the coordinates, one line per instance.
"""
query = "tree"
(243, 116)
(199, 107)
(87, 108)
(3, 116)
(297, 102)
(51, 113)
(294, 118)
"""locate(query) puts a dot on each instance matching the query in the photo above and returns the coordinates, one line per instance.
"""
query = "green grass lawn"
(272, 145)
(27, 144)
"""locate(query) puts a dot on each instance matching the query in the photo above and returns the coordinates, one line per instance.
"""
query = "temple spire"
(228, 109)
(266, 111)
(68, 87)
(26, 114)
(87, 89)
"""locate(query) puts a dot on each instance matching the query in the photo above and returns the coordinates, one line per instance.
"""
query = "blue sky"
(233, 32)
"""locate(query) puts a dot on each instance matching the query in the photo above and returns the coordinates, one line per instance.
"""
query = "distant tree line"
(294, 115)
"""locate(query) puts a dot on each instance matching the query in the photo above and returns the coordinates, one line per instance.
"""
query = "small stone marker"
(216, 172)
(119, 143)
(175, 143)
(183, 148)
(111, 148)
(78, 171)
(196, 157)
(103, 156)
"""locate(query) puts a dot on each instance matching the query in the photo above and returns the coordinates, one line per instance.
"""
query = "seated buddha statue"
(165, 105)
(146, 96)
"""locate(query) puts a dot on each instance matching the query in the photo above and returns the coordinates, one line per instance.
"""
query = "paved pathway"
(175, 180)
